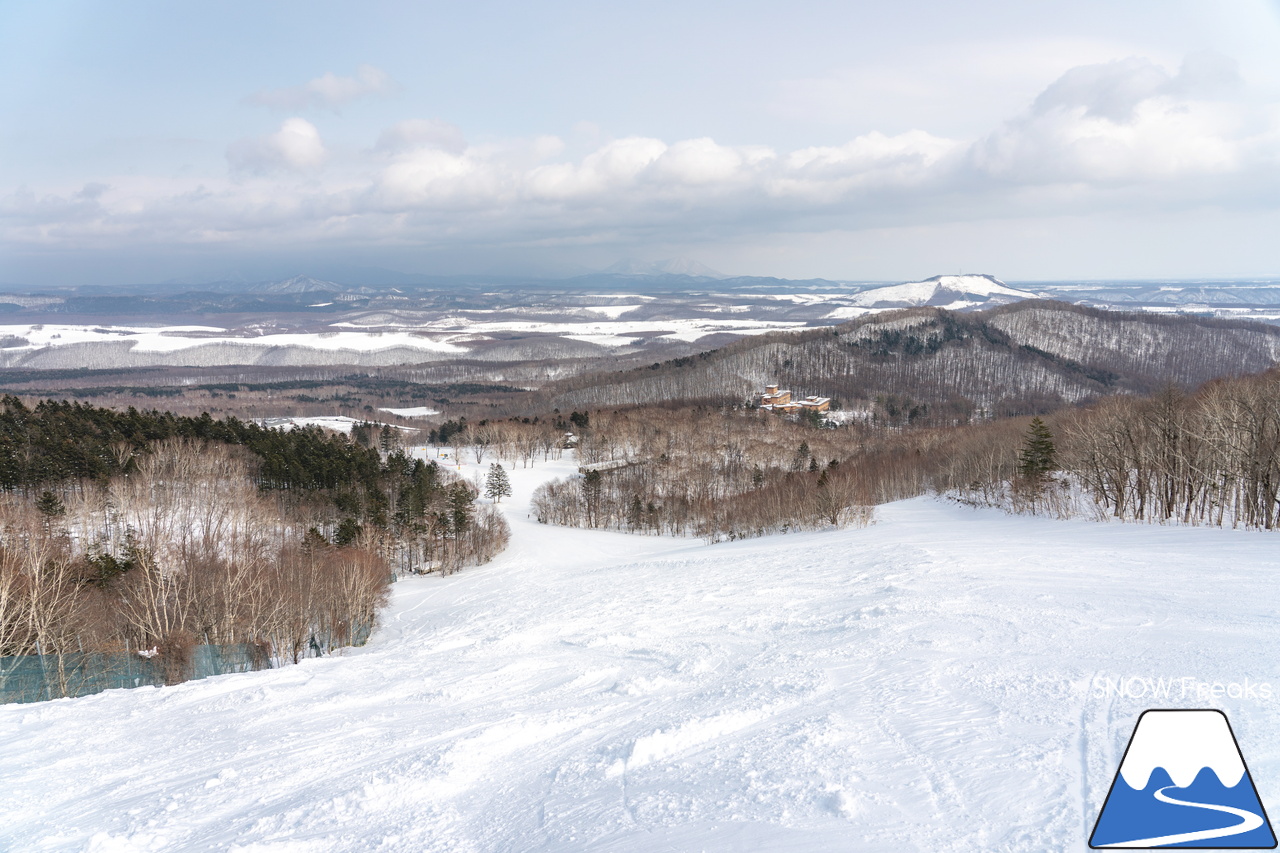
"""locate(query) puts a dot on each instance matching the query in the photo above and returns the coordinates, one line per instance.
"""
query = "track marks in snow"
(662, 745)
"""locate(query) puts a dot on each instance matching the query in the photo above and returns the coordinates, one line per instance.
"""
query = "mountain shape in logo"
(1183, 783)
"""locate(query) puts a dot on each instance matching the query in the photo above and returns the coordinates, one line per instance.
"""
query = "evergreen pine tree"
(347, 533)
(801, 458)
(635, 513)
(50, 505)
(459, 507)
(1039, 457)
(497, 486)
(592, 487)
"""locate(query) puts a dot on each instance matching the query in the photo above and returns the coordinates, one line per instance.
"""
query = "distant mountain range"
(672, 266)
(302, 284)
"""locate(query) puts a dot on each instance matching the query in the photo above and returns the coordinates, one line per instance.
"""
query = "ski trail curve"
(1249, 821)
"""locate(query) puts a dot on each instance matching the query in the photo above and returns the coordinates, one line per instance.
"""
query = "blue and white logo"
(1183, 783)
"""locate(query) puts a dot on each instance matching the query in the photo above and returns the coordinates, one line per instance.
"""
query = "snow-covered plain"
(935, 682)
(168, 339)
(614, 332)
(377, 338)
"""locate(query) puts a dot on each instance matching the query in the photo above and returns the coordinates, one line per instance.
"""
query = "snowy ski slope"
(935, 682)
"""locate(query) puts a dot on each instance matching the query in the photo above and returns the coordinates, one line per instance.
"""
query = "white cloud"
(612, 168)
(869, 162)
(422, 133)
(296, 146)
(1128, 122)
(1126, 135)
(328, 91)
(703, 162)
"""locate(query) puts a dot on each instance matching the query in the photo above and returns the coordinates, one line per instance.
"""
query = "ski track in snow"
(923, 684)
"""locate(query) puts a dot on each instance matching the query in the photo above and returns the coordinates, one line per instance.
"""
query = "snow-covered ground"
(338, 423)
(414, 412)
(935, 682)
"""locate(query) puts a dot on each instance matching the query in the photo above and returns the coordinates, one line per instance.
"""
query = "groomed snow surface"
(931, 683)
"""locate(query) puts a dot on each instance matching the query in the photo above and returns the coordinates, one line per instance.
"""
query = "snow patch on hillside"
(338, 423)
(613, 312)
(414, 412)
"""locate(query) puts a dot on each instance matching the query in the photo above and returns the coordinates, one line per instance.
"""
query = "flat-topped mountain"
(954, 292)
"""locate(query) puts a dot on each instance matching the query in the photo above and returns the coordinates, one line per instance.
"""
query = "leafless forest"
(186, 549)
(1208, 457)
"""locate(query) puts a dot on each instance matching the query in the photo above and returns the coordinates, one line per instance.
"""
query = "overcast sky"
(864, 141)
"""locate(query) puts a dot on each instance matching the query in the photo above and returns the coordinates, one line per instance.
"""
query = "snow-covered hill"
(956, 292)
(936, 682)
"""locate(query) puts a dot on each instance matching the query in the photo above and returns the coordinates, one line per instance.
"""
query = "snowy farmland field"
(935, 682)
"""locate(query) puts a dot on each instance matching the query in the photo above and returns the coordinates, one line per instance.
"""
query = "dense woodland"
(144, 530)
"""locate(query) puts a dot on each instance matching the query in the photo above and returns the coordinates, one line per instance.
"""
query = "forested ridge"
(936, 367)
